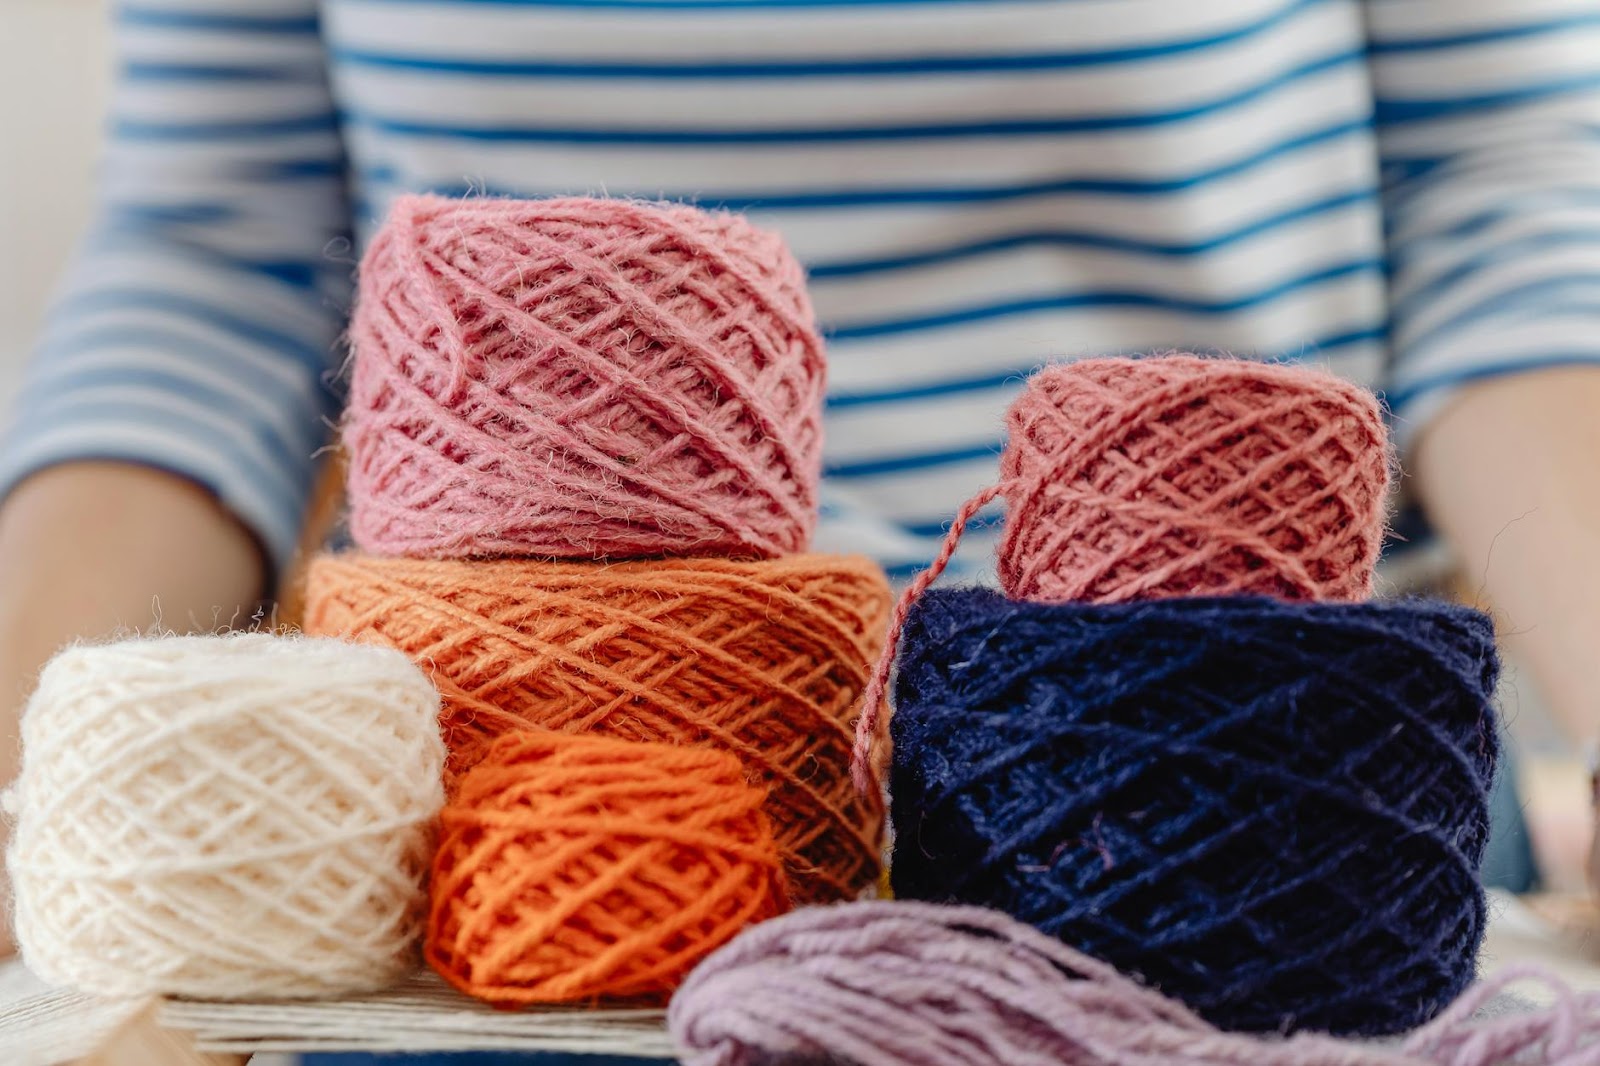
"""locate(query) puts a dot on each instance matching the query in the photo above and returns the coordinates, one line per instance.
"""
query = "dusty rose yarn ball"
(582, 379)
(1187, 476)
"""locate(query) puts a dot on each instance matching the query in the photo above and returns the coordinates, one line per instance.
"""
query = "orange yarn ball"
(575, 868)
(766, 660)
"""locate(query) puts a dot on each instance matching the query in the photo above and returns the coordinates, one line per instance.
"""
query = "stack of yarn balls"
(1179, 740)
(590, 716)
(585, 441)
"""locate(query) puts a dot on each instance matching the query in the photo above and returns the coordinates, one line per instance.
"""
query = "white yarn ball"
(225, 817)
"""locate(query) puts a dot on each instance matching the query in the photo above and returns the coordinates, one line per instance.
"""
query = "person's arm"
(159, 457)
(1489, 122)
(1510, 472)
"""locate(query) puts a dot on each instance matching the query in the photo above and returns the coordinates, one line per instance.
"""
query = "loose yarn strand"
(862, 771)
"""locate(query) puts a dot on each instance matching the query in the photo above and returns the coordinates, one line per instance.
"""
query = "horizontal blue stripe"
(209, 73)
(1425, 242)
(165, 301)
(829, 67)
(63, 349)
(1336, 343)
(1401, 171)
(795, 135)
(121, 214)
(38, 417)
(1447, 42)
(1543, 296)
(291, 169)
(1500, 255)
(901, 394)
(1399, 112)
(1401, 397)
(1103, 299)
(195, 394)
(901, 463)
(164, 18)
(140, 130)
(909, 196)
(1332, 345)
(983, 520)
(1084, 239)
(125, 231)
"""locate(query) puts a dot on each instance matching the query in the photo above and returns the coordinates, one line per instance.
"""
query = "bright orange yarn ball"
(765, 660)
(576, 868)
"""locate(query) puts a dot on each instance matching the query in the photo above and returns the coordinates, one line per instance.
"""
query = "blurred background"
(54, 72)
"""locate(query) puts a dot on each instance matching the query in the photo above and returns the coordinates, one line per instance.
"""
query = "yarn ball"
(766, 660)
(1186, 476)
(581, 379)
(1274, 812)
(912, 984)
(578, 867)
(225, 817)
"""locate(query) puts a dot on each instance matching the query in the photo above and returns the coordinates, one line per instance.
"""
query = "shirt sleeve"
(197, 329)
(1488, 116)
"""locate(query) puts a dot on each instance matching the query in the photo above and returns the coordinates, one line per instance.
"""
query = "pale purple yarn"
(915, 984)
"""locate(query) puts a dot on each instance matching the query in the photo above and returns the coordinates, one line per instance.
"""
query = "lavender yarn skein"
(917, 984)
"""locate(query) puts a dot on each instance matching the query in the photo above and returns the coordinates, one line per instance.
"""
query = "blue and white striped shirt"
(1405, 190)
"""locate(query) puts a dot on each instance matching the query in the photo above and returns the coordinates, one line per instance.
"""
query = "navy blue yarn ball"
(1274, 812)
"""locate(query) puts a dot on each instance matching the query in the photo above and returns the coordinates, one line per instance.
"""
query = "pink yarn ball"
(1186, 476)
(582, 379)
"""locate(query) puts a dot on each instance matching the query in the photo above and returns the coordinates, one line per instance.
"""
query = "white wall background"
(54, 72)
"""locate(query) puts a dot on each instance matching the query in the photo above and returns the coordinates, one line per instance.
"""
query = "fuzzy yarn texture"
(1274, 812)
(1178, 475)
(225, 817)
(581, 379)
(913, 984)
(765, 660)
(573, 868)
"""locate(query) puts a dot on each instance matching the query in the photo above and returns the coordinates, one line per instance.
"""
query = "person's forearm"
(1510, 472)
(89, 549)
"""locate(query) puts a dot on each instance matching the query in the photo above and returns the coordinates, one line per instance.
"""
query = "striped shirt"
(1406, 191)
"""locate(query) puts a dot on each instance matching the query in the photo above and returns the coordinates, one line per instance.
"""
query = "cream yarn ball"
(225, 817)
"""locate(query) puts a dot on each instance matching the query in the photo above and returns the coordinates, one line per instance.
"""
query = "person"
(1407, 191)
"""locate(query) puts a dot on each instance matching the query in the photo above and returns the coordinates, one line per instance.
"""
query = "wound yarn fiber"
(1179, 475)
(1274, 812)
(1187, 476)
(762, 659)
(581, 378)
(225, 817)
(573, 868)
(914, 984)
